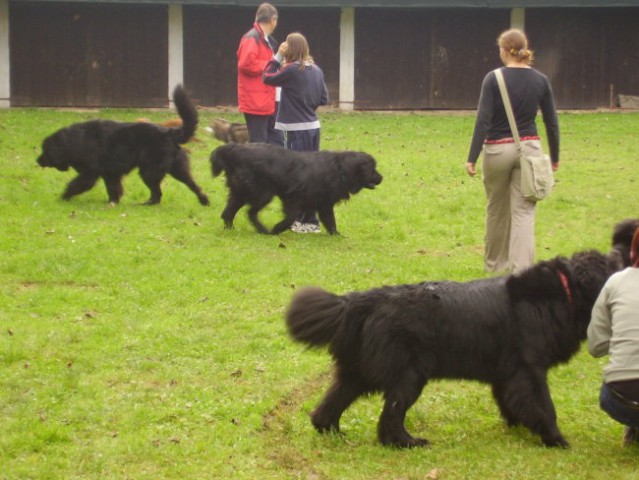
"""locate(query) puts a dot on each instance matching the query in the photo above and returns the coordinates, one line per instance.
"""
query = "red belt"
(511, 140)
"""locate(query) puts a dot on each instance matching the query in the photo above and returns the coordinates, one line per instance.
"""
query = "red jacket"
(254, 52)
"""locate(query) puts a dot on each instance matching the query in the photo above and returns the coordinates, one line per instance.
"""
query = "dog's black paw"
(406, 442)
(555, 442)
(323, 425)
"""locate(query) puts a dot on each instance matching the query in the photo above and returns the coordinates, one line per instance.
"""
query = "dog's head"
(622, 234)
(221, 129)
(238, 133)
(360, 171)
(55, 152)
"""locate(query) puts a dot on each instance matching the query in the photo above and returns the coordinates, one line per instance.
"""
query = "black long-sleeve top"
(528, 90)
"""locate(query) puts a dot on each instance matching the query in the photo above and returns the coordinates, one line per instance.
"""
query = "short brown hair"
(515, 42)
(265, 13)
(298, 50)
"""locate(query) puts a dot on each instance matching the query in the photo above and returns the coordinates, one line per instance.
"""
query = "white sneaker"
(297, 227)
(311, 228)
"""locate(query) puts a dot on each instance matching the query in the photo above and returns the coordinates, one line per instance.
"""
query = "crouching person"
(614, 330)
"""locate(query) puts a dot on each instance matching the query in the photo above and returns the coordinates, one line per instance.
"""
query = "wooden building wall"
(114, 54)
(426, 58)
(586, 52)
(212, 35)
(85, 54)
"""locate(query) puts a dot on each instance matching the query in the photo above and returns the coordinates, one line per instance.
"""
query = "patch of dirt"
(277, 430)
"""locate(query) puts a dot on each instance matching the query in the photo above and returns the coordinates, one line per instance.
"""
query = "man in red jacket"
(256, 100)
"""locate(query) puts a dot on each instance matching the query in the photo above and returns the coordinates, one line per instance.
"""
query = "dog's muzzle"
(374, 182)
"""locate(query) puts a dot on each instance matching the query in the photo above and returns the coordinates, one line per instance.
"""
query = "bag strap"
(508, 107)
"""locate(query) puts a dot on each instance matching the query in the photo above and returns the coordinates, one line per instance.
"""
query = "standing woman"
(303, 90)
(510, 218)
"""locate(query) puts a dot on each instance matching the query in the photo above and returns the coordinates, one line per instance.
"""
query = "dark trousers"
(623, 411)
(261, 128)
(304, 141)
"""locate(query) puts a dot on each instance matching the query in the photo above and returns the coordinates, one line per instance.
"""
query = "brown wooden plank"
(67, 54)
(212, 35)
(586, 51)
(424, 59)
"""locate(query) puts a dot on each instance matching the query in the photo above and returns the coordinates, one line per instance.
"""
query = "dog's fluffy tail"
(218, 158)
(314, 316)
(188, 113)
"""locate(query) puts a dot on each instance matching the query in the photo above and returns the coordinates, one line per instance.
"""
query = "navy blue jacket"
(303, 90)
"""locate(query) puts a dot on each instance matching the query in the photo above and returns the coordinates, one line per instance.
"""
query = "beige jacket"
(614, 326)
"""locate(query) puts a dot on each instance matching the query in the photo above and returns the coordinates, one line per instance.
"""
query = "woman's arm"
(482, 122)
(549, 114)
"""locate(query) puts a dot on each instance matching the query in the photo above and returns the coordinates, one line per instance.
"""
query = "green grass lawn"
(148, 342)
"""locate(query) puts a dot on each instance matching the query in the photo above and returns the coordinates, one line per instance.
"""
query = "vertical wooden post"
(176, 49)
(518, 18)
(347, 59)
(5, 66)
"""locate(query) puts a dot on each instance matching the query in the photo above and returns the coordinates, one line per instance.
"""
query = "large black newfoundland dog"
(108, 149)
(506, 331)
(304, 181)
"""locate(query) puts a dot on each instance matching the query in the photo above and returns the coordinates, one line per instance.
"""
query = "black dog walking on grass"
(505, 331)
(109, 150)
(304, 181)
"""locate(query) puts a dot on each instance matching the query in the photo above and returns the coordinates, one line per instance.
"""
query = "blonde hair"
(298, 50)
(515, 42)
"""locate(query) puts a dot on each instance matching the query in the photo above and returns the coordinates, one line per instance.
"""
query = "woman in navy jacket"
(303, 90)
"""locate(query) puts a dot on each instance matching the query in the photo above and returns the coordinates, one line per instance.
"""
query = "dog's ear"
(351, 163)
(350, 168)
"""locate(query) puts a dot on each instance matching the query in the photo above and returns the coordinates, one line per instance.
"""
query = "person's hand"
(283, 49)
(470, 168)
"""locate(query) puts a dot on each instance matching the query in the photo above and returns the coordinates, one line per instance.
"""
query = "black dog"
(107, 149)
(304, 181)
(506, 331)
